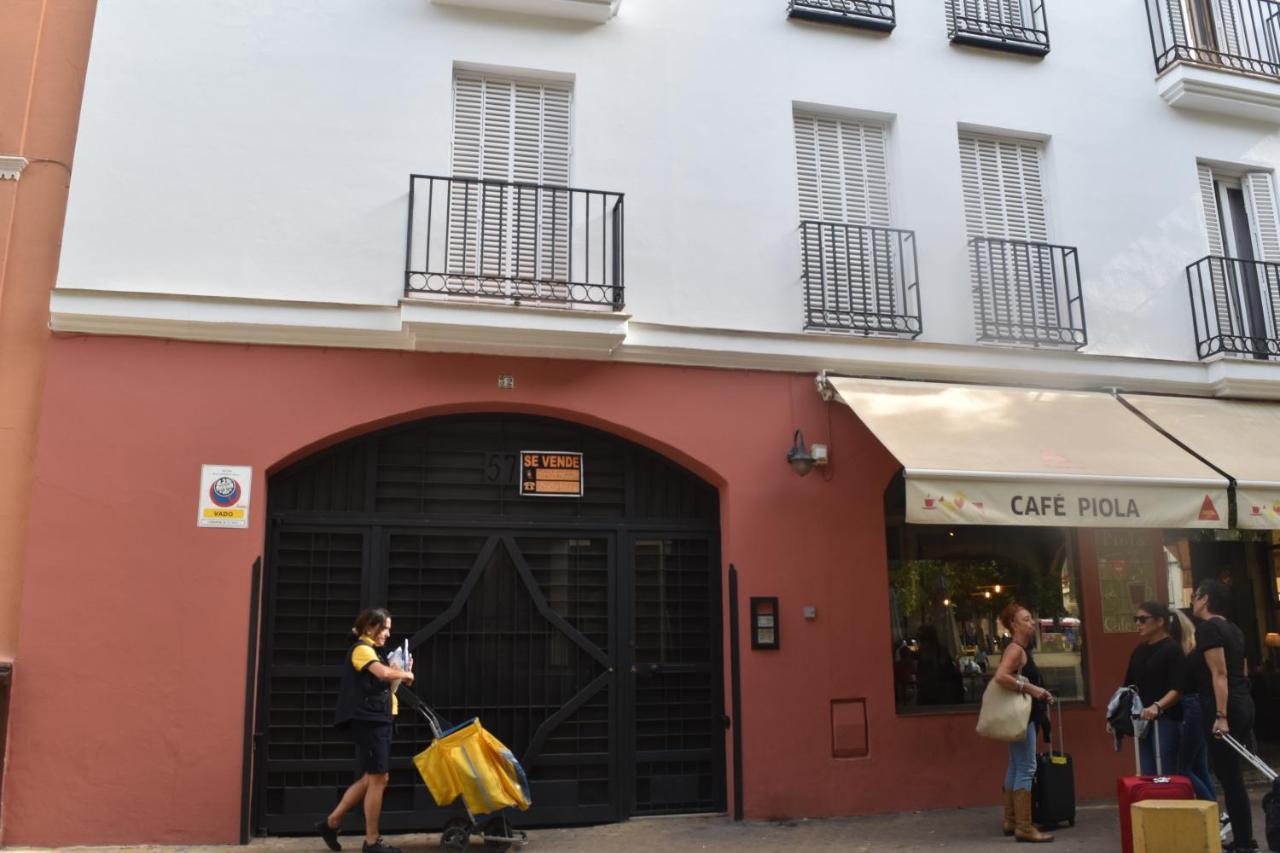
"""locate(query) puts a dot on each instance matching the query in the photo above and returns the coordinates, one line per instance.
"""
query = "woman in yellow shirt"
(366, 708)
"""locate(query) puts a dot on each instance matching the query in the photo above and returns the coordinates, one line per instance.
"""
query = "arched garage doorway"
(584, 631)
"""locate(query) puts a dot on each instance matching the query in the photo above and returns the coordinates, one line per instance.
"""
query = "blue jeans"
(1022, 762)
(1170, 734)
(1193, 753)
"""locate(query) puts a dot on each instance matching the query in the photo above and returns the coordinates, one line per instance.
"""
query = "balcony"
(1017, 26)
(1235, 305)
(866, 14)
(1027, 293)
(1221, 56)
(860, 279)
(514, 243)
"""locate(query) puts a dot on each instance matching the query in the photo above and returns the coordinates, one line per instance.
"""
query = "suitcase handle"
(1155, 748)
(1056, 706)
(1261, 766)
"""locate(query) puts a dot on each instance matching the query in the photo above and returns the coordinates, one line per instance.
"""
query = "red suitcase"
(1135, 789)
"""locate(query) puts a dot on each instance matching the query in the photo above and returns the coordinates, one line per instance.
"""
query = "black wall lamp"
(803, 459)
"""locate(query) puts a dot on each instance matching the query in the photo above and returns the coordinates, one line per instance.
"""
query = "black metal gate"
(584, 632)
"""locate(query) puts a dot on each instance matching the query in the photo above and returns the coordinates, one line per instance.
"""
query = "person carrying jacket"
(1156, 668)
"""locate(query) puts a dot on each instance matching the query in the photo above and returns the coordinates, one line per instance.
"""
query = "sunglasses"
(1141, 620)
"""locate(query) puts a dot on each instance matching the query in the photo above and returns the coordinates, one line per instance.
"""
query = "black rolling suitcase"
(1053, 793)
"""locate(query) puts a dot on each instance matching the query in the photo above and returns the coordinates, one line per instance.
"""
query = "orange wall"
(44, 47)
(133, 641)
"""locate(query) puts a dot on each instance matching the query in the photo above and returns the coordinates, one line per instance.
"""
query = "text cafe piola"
(976, 502)
(545, 473)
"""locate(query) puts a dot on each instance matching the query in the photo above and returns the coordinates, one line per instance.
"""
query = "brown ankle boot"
(1010, 821)
(1025, 830)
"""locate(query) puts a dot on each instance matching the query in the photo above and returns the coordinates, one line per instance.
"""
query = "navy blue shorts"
(373, 746)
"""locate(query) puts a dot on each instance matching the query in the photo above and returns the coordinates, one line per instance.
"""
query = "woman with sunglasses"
(1156, 668)
(1219, 666)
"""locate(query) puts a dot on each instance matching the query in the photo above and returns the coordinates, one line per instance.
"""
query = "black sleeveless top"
(361, 695)
(1039, 709)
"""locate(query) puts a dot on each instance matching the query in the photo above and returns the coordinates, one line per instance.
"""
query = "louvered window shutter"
(1213, 233)
(1015, 287)
(1260, 189)
(993, 13)
(843, 178)
(513, 131)
(1003, 191)
(842, 170)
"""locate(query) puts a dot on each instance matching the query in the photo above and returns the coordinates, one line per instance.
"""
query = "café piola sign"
(935, 501)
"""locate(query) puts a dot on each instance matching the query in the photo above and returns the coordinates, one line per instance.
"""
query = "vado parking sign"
(224, 495)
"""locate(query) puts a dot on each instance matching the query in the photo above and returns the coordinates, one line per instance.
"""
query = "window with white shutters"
(842, 170)
(866, 14)
(1019, 26)
(1026, 290)
(859, 272)
(1003, 190)
(505, 225)
(513, 135)
(1236, 289)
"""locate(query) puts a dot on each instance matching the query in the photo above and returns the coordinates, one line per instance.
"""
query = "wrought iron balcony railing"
(1234, 35)
(1019, 26)
(1027, 293)
(860, 279)
(868, 14)
(1235, 305)
(527, 244)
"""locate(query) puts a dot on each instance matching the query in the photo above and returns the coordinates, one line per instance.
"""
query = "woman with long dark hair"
(366, 709)
(1219, 664)
(1156, 668)
(1018, 672)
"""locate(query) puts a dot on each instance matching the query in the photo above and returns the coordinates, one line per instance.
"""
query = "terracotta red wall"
(135, 621)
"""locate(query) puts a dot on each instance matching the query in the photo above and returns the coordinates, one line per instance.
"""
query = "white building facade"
(294, 229)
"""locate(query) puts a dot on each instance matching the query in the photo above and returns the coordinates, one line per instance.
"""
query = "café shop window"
(947, 585)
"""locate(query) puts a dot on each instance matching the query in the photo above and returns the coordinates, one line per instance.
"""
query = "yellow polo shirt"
(363, 655)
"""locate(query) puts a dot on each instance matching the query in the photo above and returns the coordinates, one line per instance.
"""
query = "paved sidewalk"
(960, 830)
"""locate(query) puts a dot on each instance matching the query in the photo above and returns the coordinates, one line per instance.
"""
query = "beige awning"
(1240, 438)
(987, 455)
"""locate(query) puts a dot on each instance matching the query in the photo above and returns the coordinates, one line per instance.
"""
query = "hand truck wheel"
(456, 835)
(497, 826)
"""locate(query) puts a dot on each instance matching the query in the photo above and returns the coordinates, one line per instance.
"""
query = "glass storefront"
(947, 585)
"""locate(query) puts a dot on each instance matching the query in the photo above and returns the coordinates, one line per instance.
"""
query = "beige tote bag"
(1005, 714)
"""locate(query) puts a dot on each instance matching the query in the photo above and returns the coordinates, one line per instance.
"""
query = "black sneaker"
(329, 834)
(1233, 847)
(379, 846)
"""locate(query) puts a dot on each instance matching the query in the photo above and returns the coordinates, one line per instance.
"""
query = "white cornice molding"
(439, 326)
(11, 166)
(597, 11)
(1188, 86)
(431, 325)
